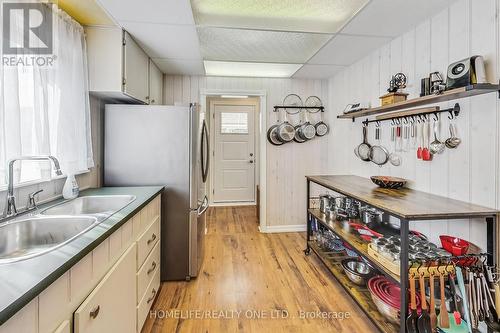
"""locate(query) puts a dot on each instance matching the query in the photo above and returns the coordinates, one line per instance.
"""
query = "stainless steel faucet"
(10, 205)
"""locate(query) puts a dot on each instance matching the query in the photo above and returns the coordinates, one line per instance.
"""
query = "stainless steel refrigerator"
(168, 146)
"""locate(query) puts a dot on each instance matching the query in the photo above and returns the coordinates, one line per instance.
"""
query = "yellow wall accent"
(86, 12)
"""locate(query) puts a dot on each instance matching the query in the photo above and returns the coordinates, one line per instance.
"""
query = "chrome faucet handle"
(32, 201)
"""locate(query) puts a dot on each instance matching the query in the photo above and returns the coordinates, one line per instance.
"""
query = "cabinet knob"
(153, 266)
(95, 312)
(152, 296)
(152, 239)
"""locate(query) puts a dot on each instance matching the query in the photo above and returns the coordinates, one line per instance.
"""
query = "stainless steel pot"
(324, 203)
(371, 217)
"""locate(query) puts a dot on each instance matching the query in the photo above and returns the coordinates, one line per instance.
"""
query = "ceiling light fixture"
(250, 69)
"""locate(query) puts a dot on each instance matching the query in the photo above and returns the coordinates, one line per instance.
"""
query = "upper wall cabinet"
(155, 84)
(119, 69)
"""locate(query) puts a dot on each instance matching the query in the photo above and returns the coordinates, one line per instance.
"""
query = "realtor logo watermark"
(28, 33)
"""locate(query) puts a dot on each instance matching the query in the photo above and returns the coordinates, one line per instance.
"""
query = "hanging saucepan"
(306, 131)
(297, 137)
(272, 133)
(285, 131)
(315, 103)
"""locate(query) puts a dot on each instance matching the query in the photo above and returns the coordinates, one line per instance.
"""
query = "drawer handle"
(152, 296)
(153, 266)
(152, 239)
(95, 312)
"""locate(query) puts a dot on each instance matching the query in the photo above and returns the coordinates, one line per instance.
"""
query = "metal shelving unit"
(406, 205)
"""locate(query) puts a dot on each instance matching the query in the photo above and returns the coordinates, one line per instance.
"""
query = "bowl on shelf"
(386, 296)
(456, 246)
(388, 182)
(358, 272)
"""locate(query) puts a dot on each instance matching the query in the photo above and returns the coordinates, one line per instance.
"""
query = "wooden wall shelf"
(468, 91)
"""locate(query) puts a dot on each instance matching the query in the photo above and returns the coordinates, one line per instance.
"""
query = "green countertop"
(22, 281)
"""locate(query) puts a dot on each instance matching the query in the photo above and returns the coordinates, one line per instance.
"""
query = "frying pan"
(272, 136)
(297, 137)
(307, 131)
(285, 131)
(315, 102)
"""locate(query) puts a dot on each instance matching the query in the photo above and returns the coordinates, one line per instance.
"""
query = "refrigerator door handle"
(204, 206)
(205, 155)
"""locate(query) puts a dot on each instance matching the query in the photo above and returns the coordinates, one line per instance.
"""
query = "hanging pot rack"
(317, 108)
(415, 115)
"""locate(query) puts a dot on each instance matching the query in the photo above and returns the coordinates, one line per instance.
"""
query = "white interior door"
(234, 176)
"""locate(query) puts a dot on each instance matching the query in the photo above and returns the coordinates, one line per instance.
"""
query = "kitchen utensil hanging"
(363, 149)
(307, 131)
(315, 105)
(297, 138)
(272, 133)
(285, 131)
(378, 153)
(294, 101)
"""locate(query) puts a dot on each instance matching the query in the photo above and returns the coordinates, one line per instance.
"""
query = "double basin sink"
(30, 236)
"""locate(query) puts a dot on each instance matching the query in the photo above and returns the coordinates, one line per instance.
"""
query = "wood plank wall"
(470, 173)
(286, 165)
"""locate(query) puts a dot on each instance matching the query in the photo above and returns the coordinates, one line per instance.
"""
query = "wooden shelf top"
(468, 91)
(403, 203)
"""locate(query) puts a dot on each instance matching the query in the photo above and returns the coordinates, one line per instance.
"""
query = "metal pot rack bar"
(276, 108)
(415, 115)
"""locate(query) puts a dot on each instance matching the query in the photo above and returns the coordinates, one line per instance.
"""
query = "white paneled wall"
(286, 165)
(469, 173)
(53, 189)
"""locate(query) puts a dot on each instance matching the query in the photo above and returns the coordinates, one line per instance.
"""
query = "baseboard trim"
(283, 228)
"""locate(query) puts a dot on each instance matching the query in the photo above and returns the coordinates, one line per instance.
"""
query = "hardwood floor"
(250, 282)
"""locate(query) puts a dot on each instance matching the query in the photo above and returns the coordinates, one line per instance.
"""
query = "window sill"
(40, 181)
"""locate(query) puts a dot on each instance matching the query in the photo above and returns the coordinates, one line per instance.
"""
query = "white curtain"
(44, 110)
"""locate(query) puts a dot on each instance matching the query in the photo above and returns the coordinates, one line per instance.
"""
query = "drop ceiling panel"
(249, 69)
(393, 17)
(258, 45)
(317, 71)
(326, 16)
(166, 41)
(347, 49)
(180, 67)
(156, 11)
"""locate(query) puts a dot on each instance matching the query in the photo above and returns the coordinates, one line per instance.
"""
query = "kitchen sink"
(33, 236)
(100, 205)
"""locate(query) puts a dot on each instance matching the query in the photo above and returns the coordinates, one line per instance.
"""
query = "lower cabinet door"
(64, 327)
(147, 301)
(111, 305)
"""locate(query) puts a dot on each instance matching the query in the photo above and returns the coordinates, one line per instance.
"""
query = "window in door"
(234, 123)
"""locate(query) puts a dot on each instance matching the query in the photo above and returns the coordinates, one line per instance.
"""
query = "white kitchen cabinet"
(53, 309)
(135, 69)
(65, 327)
(110, 306)
(26, 320)
(155, 84)
(119, 69)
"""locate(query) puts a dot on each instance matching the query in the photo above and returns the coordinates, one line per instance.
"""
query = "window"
(45, 109)
(234, 123)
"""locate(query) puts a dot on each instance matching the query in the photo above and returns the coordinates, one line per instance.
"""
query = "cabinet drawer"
(148, 299)
(147, 271)
(108, 308)
(147, 241)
